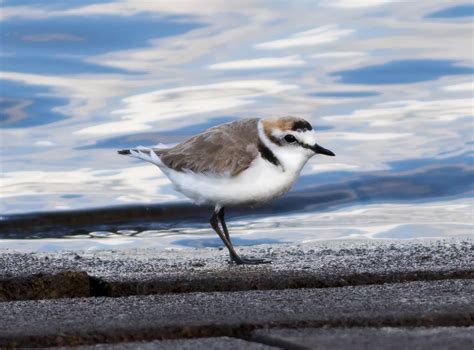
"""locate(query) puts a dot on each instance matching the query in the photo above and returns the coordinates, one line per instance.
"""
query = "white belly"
(261, 182)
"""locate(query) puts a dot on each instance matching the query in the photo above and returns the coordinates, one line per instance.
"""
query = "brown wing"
(227, 148)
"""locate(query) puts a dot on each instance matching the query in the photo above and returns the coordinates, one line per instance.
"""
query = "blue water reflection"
(343, 94)
(402, 72)
(61, 45)
(86, 35)
(464, 10)
(71, 196)
(31, 63)
(390, 93)
(26, 106)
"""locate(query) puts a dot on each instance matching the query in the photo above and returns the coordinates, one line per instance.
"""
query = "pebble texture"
(314, 265)
(387, 338)
(181, 344)
(101, 320)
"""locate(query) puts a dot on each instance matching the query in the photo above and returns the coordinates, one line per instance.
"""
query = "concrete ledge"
(387, 338)
(314, 265)
(181, 344)
(235, 314)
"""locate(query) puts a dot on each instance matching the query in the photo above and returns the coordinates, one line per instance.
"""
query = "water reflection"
(27, 106)
(55, 37)
(381, 221)
(387, 85)
(402, 72)
(342, 94)
(458, 11)
(151, 138)
(433, 179)
(217, 242)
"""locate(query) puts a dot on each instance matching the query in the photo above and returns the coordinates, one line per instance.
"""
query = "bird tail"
(144, 153)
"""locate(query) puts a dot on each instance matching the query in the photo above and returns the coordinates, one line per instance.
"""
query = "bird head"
(295, 134)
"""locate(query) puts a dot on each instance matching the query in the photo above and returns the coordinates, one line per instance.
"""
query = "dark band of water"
(423, 184)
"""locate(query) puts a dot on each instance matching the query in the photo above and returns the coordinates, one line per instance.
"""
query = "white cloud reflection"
(132, 8)
(260, 63)
(314, 168)
(351, 4)
(162, 105)
(86, 93)
(339, 54)
(45, 143)
(416, 111)
(316, 36)
(469, 86)
(140, 183)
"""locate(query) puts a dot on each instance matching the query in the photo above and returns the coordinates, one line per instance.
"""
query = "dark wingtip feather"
(123, 152)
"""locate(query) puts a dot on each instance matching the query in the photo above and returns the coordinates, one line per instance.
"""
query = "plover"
(245, 162)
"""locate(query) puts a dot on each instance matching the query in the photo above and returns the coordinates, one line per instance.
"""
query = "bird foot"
(250, 261)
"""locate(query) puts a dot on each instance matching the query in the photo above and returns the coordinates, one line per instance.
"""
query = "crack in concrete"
(71, 284)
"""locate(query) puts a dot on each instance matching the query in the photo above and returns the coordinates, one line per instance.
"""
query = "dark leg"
(215, 225)
(233, 255)
(224, 226)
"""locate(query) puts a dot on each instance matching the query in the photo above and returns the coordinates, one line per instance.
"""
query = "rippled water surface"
(388, 85)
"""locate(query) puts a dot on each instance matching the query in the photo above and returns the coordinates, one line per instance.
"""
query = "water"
(387, 85)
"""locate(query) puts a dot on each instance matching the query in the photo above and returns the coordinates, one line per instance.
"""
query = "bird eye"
(290, 138)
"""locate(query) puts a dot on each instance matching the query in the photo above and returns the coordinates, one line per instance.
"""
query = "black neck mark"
(267, 154)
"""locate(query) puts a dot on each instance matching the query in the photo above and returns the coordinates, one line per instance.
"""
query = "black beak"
(321, 150)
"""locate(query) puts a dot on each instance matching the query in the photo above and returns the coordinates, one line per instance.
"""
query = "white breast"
(261, 182)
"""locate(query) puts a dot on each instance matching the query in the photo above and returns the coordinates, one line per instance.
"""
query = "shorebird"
(245, 162)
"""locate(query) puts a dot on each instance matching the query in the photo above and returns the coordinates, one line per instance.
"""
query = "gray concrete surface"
(96, 320)
(216, 343)
(387, 338)
(313, 265)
